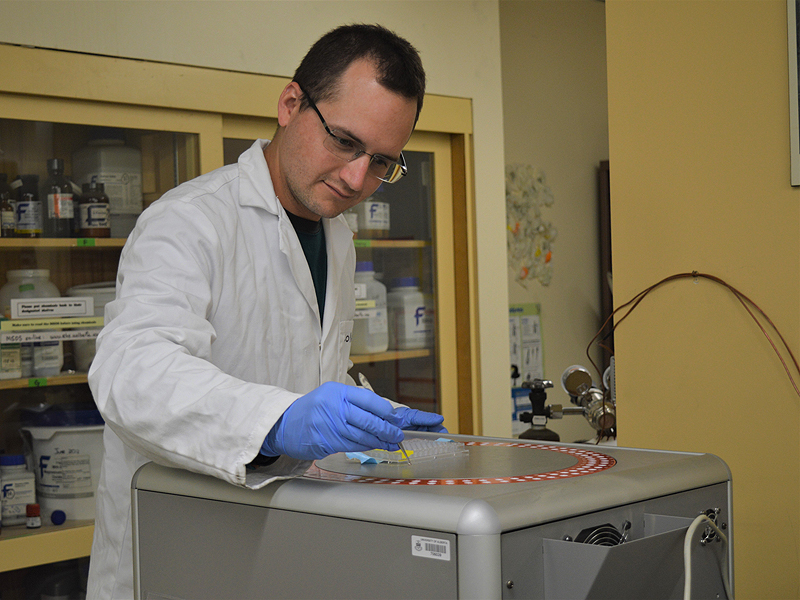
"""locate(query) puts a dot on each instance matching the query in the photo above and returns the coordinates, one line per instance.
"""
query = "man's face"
(310, 181)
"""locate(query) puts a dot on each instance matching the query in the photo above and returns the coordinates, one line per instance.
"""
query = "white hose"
(687, 557)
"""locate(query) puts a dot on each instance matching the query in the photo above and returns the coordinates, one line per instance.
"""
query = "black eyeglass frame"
(397, 168)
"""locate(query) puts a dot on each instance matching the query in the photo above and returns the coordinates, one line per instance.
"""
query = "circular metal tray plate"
(486, 463)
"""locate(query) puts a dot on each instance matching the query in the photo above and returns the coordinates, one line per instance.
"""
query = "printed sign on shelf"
(32, 308)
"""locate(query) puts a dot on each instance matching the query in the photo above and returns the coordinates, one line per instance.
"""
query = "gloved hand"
(416, 420)
(333, 418)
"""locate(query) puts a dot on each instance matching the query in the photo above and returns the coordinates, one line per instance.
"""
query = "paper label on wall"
(527, 361)
(525, 338)
(430, 547)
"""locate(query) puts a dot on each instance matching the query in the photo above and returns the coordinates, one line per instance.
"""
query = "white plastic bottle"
(37, 359)
(408, 325)
(370, 324)
(19, 489)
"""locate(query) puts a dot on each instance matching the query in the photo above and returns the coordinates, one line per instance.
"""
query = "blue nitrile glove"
(333, 418)
(416, 420)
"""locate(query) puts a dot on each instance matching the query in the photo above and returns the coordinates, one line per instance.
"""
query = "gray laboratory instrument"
(507, 519)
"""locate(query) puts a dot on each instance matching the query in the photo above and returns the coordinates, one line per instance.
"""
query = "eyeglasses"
(380, 166)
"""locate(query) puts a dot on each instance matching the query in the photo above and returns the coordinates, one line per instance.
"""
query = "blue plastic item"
(364, 266)
(12, 460)
(62, 415)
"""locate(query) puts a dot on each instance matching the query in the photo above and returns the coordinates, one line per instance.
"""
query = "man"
(229, 338)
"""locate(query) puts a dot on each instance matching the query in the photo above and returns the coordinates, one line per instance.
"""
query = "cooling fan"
(604, 535)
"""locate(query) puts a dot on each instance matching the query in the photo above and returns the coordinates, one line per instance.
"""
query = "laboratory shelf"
(386, 243)
(390, 355)
(21, 547)
(61, 243)
(29, 382)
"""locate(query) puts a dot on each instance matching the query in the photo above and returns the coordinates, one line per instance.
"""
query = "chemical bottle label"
(65, 476)
(60, 206)
(124, 190)
(7, 219)
(29, 217)
(361, 291)
(377, 319)
(17, 494)
(11, 361)
(375, 215)
(94, 216)
(411, 325)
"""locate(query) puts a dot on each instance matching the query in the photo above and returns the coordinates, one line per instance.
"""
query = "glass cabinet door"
(401, 252)
(404, 248)
(48, 343)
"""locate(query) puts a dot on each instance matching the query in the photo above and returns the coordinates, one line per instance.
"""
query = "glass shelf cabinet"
(189, 120)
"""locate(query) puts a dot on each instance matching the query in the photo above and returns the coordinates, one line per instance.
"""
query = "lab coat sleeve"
(153, 377)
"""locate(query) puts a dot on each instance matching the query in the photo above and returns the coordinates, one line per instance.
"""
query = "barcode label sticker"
(430, 547)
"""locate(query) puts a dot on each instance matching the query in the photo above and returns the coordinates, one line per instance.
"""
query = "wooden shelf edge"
(13, 384)
(359, 359)
(61, 243)
(21, 548)
(389, 243)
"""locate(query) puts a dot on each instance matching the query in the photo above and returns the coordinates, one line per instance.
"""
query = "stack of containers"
(36, 359)
(107, 160)
(102, 293)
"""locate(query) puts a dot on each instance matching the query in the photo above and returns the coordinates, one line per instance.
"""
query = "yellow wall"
(699, 151)
(556, 119)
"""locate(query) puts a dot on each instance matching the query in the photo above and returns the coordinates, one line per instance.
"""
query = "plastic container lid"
(58, 517)
(12, 460)
(363, 266)
(399, 282)
(62, 415)
(28, 274)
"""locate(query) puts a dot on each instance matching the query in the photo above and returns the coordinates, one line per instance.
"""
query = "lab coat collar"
(256, 189)
(255, 182)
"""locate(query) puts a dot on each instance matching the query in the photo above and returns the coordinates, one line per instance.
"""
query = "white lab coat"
(214, 332)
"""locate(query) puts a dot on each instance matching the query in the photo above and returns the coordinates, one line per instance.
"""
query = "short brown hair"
(396, 60)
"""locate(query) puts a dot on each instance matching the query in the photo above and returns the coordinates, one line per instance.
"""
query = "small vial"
(34, 516)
